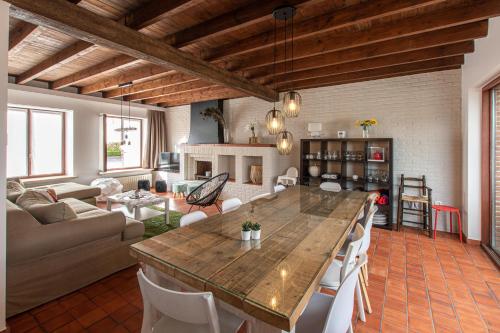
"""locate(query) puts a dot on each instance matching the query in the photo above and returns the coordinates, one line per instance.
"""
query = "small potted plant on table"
(255, 231)
(246, 230)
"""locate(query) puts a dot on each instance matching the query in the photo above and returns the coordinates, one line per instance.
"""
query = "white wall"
(86, 112)
(480, 67)
(421, 112)
(4, 40)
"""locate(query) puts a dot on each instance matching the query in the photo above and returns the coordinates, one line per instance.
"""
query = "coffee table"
(136, 205)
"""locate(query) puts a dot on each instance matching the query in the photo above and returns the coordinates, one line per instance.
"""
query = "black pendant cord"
(274, 66)
(121, 115)
(291, 71)
(129, 113)
(285, 62)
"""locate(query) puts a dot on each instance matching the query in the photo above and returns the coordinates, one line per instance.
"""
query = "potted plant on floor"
(246, 230)
(255, 231)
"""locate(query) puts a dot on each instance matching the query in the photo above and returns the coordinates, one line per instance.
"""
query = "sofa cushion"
(73, 190)
(14, 190)
(52, 213)
(18, 220)
(133, 229)
(79, 206)
(33, 197)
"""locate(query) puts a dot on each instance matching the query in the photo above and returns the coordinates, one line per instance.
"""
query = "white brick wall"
(421, 112)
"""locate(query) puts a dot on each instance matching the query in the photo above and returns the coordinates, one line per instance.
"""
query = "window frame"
(105, 145)
(29, 127)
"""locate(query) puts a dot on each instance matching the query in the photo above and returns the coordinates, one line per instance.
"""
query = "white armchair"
(290, 178)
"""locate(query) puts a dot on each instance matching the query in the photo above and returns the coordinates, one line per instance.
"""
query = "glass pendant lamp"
(275, 121)
(284, 142)
(292, 101)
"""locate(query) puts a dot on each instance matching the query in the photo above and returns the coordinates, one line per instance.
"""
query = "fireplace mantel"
(234, 145)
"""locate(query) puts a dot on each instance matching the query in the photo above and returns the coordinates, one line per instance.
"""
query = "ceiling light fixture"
(292, 101)
(275, 121)
(124, 130)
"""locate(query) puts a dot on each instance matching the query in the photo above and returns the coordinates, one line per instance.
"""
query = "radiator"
(130, 182)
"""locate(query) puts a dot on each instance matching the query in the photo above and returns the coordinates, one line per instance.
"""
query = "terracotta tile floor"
(416, 285)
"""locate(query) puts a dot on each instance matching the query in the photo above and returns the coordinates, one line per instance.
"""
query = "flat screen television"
(168, 161)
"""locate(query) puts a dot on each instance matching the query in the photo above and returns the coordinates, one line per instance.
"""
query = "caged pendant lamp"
(275, 120)
(284, 142)
(292, 101)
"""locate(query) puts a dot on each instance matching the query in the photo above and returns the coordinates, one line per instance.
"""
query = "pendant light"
(284, 142)
(292, 101)
(275, 121)
(124, 130)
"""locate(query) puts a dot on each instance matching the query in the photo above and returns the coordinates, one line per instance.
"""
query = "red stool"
(451, 210)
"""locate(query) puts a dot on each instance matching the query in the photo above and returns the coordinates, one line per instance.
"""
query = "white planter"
(256, 234)
(245, 235)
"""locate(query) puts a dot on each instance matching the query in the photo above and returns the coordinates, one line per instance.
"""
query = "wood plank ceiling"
(336, 42)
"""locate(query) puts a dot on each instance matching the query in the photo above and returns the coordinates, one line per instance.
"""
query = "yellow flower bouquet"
(366, 123)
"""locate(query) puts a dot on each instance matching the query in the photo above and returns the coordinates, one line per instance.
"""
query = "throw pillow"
(32, 197)
(52, 212)
(14, 190)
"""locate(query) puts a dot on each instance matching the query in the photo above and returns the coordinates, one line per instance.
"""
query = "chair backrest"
(370, 203)
(330, 186)
(260, 196)
(292, 172)
(368, 228)
(417, 184)
(207, 193)
(191, 308)
(279, 188)
(340, 313)
(230, 204)
(192, 218)
(352, 251)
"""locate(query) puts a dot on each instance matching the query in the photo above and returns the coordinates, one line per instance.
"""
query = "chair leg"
(364, 270)
(459, 225)
(435, 222)
(218, 207)
(190, 209)
(359, 299)
(398, 223)
(365, 294)
(451, 223)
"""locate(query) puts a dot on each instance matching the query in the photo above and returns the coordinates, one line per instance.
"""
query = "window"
(121, 150)
(36, 142)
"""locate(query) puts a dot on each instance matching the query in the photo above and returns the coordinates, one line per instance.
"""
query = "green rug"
(157, 226)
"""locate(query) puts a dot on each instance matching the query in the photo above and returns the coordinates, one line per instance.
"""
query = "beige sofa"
(67, 190)
(46, 261)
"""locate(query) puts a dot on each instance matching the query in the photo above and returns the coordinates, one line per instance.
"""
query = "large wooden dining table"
(272, 279)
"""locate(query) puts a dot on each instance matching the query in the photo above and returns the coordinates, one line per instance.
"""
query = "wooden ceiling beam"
(172, 89)
(423, 66)
(151, 13)
(446, 17)
(324, 69)
(19, 33)
(137, 18)
(339, 18)
(62, 57)
(206, 94)
(345, 17)
(328, 69)
(90, 27)
(394, 71)
(240, 17)
(457, 34)
(23, 29)
(443, 37)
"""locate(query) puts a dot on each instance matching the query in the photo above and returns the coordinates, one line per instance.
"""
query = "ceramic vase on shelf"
(314, 170)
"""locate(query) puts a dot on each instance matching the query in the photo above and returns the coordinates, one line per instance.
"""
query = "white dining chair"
(331, 314)
(330, 186)
(260, 196)
(192, 218)
(338, 270)
(279, 188)
(229, 205)
(182, 312)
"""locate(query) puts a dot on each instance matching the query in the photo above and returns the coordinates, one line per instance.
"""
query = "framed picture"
(341, 134)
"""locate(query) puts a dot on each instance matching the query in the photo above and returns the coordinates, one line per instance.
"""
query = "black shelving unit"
(346, 168)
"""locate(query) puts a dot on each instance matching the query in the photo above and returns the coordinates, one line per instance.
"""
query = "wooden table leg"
(167, 211)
